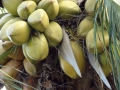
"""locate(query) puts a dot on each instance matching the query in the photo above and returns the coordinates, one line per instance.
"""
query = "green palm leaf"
(111, 21)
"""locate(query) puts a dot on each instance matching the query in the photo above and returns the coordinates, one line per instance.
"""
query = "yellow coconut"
(34, 0)
(80, 59)
(68, 9)
(54, 33)
(39, 20)
(91, 6)
(5, 18)
(75, 1)
(11, 6)
(37, 47)
(27, 57)
(29, 67)
(79, 55)
(67, 68)
(26, 8)
(105, 63)
(85, 26)
(3, 35)
(19, 32)
(51, 7)
(90, 40)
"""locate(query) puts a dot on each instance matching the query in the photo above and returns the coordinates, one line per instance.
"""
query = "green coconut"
(37, 47)
(68, 9)
(5, 18)
(26, 8)
(3, 35)
(19, 32)
(100, 42)
(11, 6)
(54, 33)
(51, 7)
(39, 20)
(85, 26)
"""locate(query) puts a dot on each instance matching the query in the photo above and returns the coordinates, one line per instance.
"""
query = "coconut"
(3, 35)
(11, 6)
(19, 32)
(91, 6)
(26, 8)
(34, 0)
(51, 7)
(75, 1)
(68, 9)
(37, 47)
(80, 59)
(79, 55)
(27, 57)
(54, 33)
(39, 20)
(105, 63)
(85, 26)
(67, 68)
(5, 18)
(90, 40)
(29, 67)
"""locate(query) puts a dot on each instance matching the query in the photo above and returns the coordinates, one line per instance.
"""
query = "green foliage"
(109, 14)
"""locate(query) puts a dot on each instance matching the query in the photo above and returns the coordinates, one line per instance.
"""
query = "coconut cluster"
(30, 25)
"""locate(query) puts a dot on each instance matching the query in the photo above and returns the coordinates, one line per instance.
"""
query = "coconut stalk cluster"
(31, 28)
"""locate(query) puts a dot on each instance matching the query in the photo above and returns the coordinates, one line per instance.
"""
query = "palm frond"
(108, 12)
